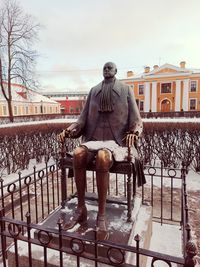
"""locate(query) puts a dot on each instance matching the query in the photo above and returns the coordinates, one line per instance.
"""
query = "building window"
(193, 104)
(141, 89)
(26, 110)
(193, 86)
(141, 105)
(4, 110)
(166, 88)
(36, 110)
(15, 110)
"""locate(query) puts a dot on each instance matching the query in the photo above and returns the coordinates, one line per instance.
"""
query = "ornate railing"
(76, 253)
(29, 199)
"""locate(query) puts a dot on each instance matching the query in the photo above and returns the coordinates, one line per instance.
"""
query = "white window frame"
(26, 110)
(139, 89)
(161, 88)
(195, 103)
(4, 110)
(191, 86)
(15, 110)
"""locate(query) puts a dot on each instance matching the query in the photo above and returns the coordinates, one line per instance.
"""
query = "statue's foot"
(79, 216)
(102, 232)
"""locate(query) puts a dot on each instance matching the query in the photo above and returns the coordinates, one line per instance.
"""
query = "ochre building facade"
(27, 102)
(166, 88)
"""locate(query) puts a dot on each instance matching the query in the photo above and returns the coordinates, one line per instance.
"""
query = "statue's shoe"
(102, 232)
(79, 216)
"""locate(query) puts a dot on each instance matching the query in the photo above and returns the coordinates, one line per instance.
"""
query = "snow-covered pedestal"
(120, 232)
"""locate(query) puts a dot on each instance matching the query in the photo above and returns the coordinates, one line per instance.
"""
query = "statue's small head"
(109, 70)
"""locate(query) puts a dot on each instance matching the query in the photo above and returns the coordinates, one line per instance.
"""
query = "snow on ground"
(170, 243)
(173, 120)
(192, 180)
(15, 176)
(69, 119)
(16, 124)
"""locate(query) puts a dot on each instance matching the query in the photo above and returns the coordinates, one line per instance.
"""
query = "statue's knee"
(104, 160)
(80, 157)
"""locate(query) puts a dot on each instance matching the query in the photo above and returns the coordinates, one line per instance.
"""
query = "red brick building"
(71, 102)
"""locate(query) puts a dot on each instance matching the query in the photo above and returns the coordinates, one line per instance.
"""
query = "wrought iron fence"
(39, 194)
(79, 250)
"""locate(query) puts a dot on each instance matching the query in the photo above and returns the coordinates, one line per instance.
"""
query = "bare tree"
(18, 32)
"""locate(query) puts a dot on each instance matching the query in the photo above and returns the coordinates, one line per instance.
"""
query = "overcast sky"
(79, 36)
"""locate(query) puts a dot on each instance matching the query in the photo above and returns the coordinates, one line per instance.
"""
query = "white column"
(185, 94)
(154, 97)
(146, 97)
(178, 96)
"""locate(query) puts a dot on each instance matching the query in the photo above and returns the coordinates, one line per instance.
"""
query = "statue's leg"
(79, 164)
(103, 163)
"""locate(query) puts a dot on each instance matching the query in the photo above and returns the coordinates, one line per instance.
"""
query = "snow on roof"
(164, 66)
(22, 94)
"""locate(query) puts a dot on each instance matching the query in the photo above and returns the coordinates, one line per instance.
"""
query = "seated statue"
(109, 123)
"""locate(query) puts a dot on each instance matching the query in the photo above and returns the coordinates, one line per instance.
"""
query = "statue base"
(120, 232)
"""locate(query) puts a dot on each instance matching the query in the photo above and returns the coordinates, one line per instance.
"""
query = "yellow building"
(166, 88)
(28, 102)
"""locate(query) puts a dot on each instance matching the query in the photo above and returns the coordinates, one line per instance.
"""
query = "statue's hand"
(61, 137)
(74, 130)
(131, 139)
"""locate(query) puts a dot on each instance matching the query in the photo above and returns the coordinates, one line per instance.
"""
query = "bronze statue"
(110, 120)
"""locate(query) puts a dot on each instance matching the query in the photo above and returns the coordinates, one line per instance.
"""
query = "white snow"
(166, 239)
(17, 124)
(172, 120)
(71, 120)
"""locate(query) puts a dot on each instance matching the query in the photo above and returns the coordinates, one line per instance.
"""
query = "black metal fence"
(28, 200)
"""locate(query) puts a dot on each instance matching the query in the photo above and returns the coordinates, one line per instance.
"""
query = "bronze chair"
(132, 171)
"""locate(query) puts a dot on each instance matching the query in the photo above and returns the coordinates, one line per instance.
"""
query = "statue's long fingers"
(127, 140)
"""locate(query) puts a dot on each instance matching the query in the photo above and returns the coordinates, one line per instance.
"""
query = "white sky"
(78, 37)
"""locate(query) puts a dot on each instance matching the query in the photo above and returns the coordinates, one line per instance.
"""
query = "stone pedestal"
(120, 232)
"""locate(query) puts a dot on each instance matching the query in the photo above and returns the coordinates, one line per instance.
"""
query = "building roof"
(22, 94)
(67, 93)
(159, 71)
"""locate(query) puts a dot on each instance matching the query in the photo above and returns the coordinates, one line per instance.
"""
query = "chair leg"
(129, 195)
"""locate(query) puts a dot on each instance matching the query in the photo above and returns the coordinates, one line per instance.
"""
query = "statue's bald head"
(109, 70)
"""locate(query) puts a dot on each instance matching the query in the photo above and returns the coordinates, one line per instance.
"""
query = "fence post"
(28, 220)
(137, 239)
(191, 251)
(2, 193)
(3, 238)
(63, 175)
